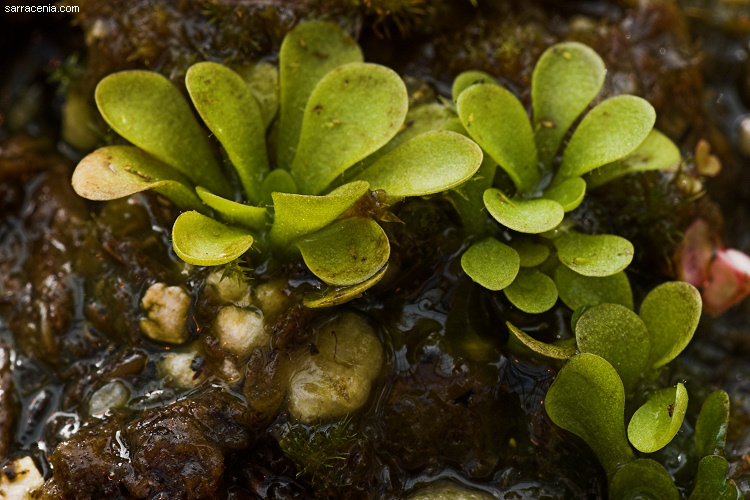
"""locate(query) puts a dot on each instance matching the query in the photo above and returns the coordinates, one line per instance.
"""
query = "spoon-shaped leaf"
(263, 81)
(548, 350)
(531, 254)
(147, 110)
(232, 212)
(654, 424)
(497, 121)
(307, 54)
(429, 163)
(671, 312)
(354, 110)
(711, 427)
(296, 215)
(117, 171)
(525, 216)
(202, 241)
(618, 335)
(418, 120)
(569, 193)
(278, 181)
(711, 481)
(655, 153)
(566, 79)
(594, 255)
(230, 111)
(577, 290)
(341, 295)
(532, 291)
(643, 479)
(608, 132)
(588, 386)
(468, 78)
(490, 263)
(347, 252)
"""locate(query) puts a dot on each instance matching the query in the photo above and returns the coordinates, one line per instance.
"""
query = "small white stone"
(177, 369)
(240, 330)
(443, 491)
(27, 479)
(337, 380)
(743, 136)
(229, 371)
(229, 290)
(166, 313)
(271, 298)
(110, 395)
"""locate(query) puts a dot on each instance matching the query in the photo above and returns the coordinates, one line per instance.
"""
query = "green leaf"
(468, 78)
(618, 335)
(117, 171)
(531, 254)
(354, 110)
(656, 152)
(429, 163)
(230, 111)
(532, 292)
(711, 481)
(202, 241)
(497, 121)
(262, 79)
(566, 79)
(643, 479)
(654, 424)
(233, 213)
(594, 255)
(147, 110)
(548, 350)
(278, 181)
(307, 54)
(419, 120)
(577, 290)
(296, 215)
(608, 132)
(671, 312)
(524, 216)
(340, 295)
(711, 427)
(569, 193)
(490, 263)
(588, 386)
(347, 252)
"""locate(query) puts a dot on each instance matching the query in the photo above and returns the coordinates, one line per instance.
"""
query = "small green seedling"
(615, 351)
(334, 112)
(613, 139)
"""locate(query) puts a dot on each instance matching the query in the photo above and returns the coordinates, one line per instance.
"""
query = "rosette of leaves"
(287, 136)
(614, 351)
(540, 180)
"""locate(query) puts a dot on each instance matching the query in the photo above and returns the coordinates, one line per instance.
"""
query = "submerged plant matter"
(333, 112)
(538, 186)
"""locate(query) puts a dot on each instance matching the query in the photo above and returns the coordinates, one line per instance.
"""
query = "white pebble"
(27, 479)
(336, 381)
(240, 330)
(166, 313)
(176, 368)
(110, 395)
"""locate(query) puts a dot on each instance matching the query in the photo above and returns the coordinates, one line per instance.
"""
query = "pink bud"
(722, 275)
(728, 281)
